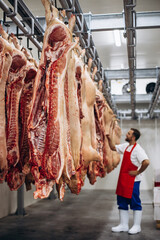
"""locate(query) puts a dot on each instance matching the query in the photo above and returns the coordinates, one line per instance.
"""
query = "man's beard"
(127, 140)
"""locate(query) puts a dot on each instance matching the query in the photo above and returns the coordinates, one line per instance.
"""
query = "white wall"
(8, 199)
(150, 141)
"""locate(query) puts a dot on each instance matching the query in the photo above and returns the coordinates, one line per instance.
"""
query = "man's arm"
(143, 167)
(111, 143)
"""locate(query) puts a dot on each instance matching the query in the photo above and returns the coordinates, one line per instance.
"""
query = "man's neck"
(132, 143)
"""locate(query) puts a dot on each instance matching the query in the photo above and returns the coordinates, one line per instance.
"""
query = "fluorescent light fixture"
(117, 38)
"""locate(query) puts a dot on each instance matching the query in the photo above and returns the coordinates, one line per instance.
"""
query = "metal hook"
(17, 31)
(131, 5)
(55, 3)
(102, 72)
(80, 19)
(88, 39)
(32, 26)
(13, 13)
(98, 64)
(29, 48)
(72, 9)
(39, 55)
(94, 53)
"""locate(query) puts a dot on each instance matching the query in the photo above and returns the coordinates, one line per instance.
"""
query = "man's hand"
(133, 173)
(144, 165)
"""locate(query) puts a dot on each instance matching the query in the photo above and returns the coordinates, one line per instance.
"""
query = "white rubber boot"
(124, 218)
(137, 216)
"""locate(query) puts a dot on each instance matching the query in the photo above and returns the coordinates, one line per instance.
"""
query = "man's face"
(129, 136)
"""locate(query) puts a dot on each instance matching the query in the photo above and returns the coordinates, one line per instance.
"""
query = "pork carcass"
(48, 121)
(106, 120)
(76, 71)
(5, 63)
(74, 114)
(14, 84)
(16, 173)
(89, 151)
(97, 168)
(25, 104)
(15, 81)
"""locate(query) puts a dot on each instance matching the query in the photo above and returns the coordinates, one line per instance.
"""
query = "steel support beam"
(125, 99)
(131, 43)
(124, 73)
(109, 22)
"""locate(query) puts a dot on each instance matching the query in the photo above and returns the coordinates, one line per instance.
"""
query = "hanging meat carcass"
(74, 114)
(89, 152)
(48, 122)
(25, 74)
(105, 122)
(15, 81)
(97, 168)
(75, 72)
(18, 88)
(5, 63)
(25, 104)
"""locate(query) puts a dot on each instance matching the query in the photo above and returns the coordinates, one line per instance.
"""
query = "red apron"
(125, 181)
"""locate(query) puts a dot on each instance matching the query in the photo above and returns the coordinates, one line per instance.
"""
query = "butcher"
(135, 161)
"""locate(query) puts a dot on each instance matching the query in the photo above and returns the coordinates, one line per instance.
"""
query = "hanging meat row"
(17, 72)
(55, 119)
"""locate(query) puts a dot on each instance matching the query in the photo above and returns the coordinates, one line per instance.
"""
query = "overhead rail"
(130, 34)
(14, 18)
(98, 22)
(21, 8)
(155, 96)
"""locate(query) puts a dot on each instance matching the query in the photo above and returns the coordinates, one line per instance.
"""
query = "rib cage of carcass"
(56, 129)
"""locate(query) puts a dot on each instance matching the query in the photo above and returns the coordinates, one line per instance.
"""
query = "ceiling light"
(117, 38)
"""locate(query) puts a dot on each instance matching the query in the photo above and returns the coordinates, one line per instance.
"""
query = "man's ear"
(134, 137)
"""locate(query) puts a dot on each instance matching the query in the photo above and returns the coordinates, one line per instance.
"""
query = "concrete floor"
(88, 216)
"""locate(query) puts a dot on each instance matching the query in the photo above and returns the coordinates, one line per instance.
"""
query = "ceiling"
(116, 58)
(148, 44)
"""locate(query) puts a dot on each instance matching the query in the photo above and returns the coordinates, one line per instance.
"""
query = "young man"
(135, 161)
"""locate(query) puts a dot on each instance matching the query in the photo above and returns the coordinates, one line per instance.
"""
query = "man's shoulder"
(139, 147)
